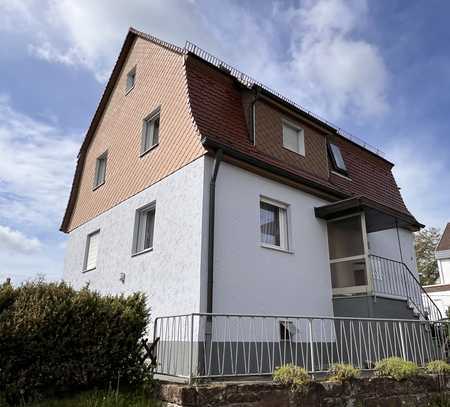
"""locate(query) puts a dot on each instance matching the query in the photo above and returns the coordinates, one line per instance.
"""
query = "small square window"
(293, 138)
(273, 223)
(90, 257)
(131, 79)
(286, 330)
(337, 160)
(144, 228)
(100, 170)
(150, 132)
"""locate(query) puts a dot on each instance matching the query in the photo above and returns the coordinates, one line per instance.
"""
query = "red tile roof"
(444, 243)
(217, 107)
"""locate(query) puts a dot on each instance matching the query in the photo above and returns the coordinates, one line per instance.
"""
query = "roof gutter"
(211, 230)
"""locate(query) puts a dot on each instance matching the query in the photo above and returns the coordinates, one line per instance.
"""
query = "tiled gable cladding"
(160, 81)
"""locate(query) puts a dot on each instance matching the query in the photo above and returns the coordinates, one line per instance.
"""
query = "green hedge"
(55, 339)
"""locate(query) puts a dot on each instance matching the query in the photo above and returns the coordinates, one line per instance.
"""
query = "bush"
(291, 375)
(438, 367)
(56, 339)
(342, 372)
(396, 368)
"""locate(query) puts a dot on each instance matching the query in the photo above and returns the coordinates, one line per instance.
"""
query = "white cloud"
(421, 170)
(319, 63)
(332, 71)
(16, 242)
(36, 167)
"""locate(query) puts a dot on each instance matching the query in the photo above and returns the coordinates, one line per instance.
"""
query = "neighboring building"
(440, 293)
(211, 193)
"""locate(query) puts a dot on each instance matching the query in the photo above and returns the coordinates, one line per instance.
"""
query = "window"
(90, 257)
(273, 220)
(337, 160)
(293, 138)
(131, 78)
(100, 170)
(144, 227)
(150, 132)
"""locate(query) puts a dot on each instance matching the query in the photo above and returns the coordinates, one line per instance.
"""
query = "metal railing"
(394, 278)
(199, 346)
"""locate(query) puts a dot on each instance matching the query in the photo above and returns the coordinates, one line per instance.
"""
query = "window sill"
(150, 249)
(300, 153)
(149, 149)
(88, 270)
(98, 186)
(276, 248)
(129, 90)
(341, 175)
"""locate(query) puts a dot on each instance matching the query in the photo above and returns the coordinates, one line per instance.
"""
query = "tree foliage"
(425, 243)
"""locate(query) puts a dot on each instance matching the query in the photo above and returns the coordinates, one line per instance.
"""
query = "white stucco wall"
(170, 274)
(442, 300)
(385, 244)
(249, 278)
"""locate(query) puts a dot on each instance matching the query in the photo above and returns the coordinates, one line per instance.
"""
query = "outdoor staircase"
(394, 279)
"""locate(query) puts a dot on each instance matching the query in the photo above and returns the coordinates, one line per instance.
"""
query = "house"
(210, 192)
(440, 293)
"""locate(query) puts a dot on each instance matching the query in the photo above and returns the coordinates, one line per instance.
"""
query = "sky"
(379, 69)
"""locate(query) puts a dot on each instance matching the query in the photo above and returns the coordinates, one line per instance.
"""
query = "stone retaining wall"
(374, 392)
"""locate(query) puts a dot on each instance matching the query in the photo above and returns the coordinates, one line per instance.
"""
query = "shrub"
(54, 339)
(396, 368)
(342, 372)
(291, 375)
(438, 367)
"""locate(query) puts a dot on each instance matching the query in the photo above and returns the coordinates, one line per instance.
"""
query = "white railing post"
(402, 340)
(311, 344)
(191, 345)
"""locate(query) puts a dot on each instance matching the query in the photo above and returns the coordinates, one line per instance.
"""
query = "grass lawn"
(99, 399)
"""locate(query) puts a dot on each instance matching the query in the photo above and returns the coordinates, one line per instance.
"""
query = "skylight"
(337, 159)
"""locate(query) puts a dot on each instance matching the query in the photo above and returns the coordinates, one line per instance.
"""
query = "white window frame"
(101, 157)
(148, 120)
(139, 213)
(87, 249)
(283, 221)
(131, 72)
(300, 137)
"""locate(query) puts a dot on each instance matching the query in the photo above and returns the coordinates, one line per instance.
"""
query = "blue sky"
(379, 69)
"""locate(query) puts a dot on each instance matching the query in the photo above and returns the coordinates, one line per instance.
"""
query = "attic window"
(150, 132)
(337, 160)
(131, 78)
(293, 138)
(100, 170)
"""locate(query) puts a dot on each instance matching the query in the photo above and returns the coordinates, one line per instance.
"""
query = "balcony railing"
(199, 346)
(394, 278)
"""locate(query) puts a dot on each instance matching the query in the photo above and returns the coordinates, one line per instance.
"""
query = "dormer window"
(337, 161)
(131, 78)
(293, 138)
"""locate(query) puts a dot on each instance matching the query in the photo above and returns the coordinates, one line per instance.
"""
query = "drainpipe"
(398, 239)
(212, 205)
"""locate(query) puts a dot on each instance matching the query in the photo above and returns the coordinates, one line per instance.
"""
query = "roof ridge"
(156, 40)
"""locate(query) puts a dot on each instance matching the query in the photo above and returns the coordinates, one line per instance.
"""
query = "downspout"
(211, 217)
(398, 239)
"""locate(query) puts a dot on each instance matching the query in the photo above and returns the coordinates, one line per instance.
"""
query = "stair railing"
(394, 278)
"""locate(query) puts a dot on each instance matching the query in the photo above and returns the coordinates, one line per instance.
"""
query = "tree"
(425, 244)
